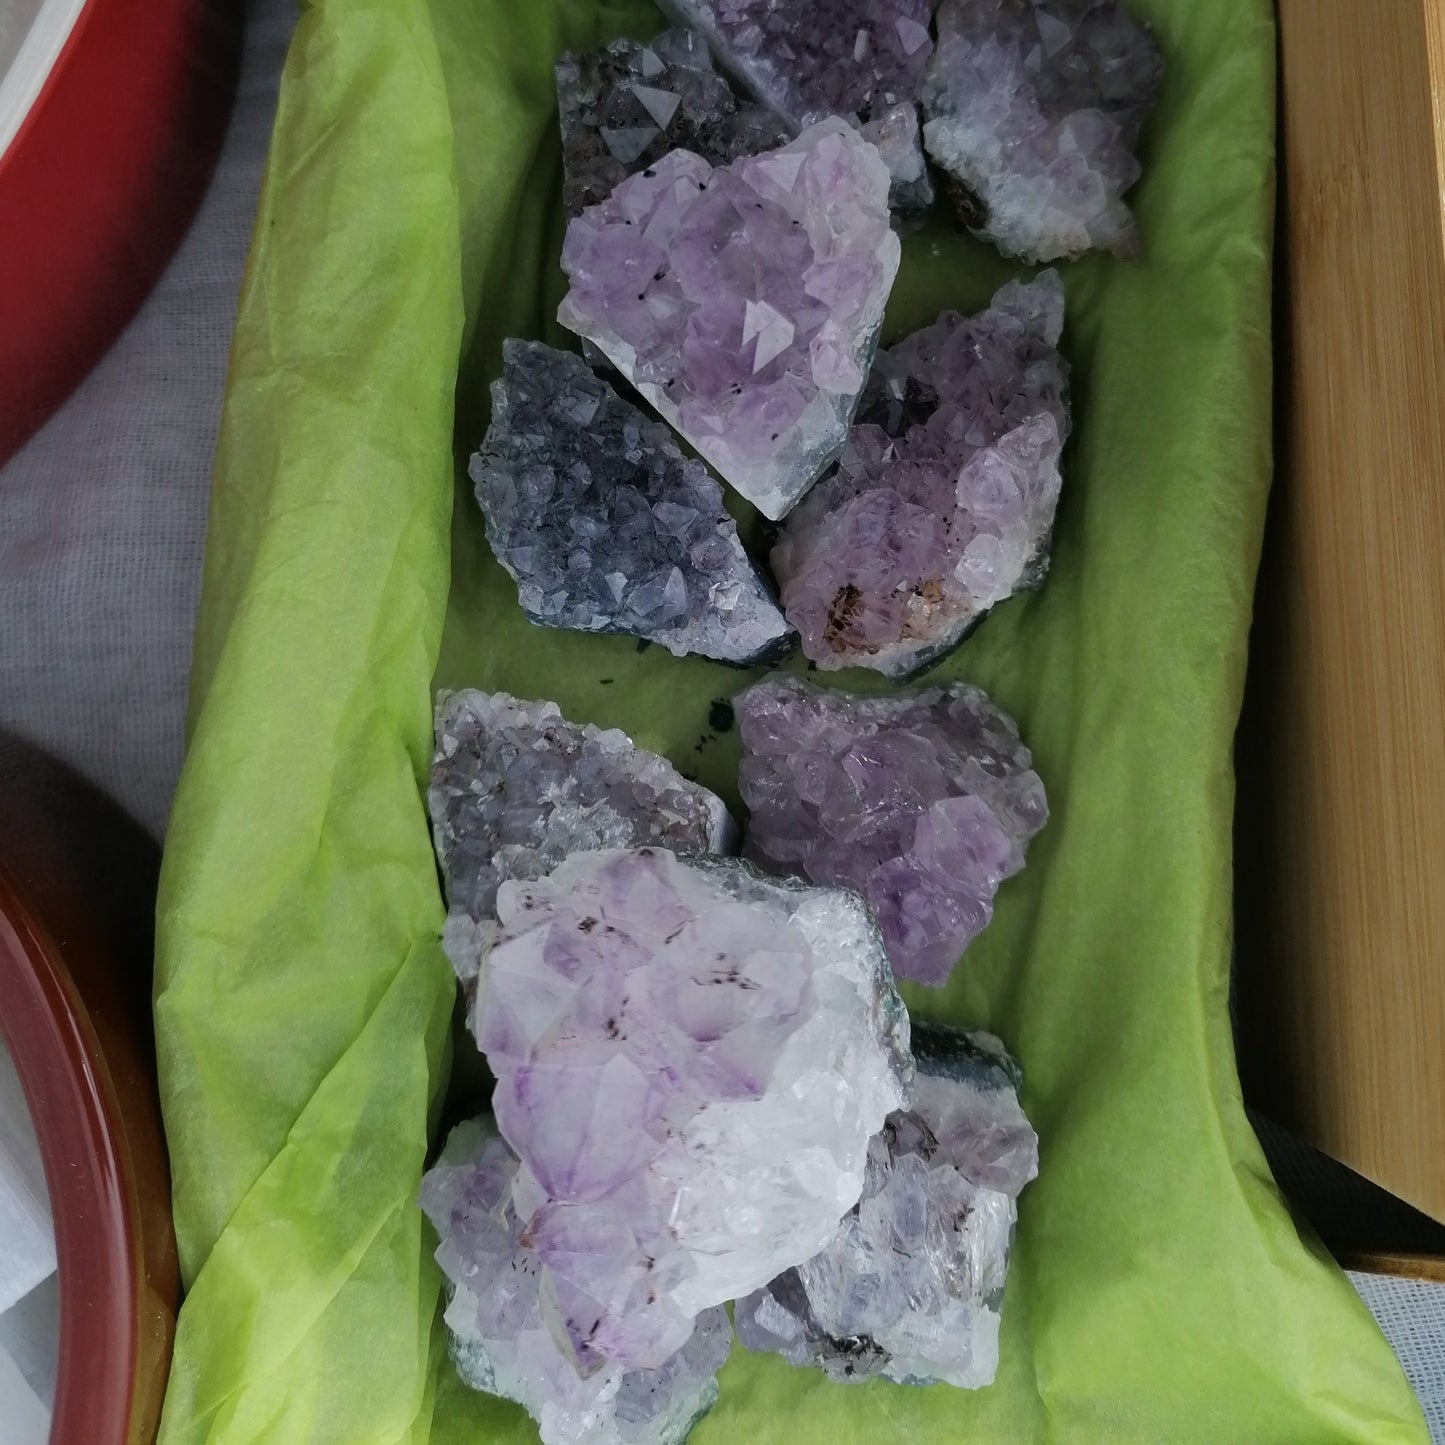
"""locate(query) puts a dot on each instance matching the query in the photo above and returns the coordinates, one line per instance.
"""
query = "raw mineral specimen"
(944, 498)
(606, 526)
(499, 1336)
(923, 803)
(690, 1061)
(625, 107)
(743, 302)
(861, 59)
(515, 788)
(1033, 110)
(912, 1285)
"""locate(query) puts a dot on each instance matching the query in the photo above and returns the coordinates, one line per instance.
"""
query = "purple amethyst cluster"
(944, 498)
(743, 302)
(861, 59)
(922, 803)
(706, 1087)
(1032, 109)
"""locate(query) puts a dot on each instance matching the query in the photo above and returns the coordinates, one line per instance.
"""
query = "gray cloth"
(1411, 1312)
(102, 523)
(103, 513)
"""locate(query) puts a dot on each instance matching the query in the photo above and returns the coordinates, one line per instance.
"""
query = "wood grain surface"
(1341, 919)
(1427, 1267)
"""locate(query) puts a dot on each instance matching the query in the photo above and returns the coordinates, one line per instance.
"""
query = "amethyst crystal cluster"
(744, 301)
(1032, 109)
(497, 1317)
(690, 1063)
(861, 59)
(516, 788)
(704, 1084)
(624, 108)
(944, 499)
(924, 804)
(605, 525)
(911, 1286)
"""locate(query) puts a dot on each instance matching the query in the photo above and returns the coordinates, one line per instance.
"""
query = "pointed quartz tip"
(925, 802)
(912, 1286)
(606, 526)
(500, 1337)
(943, 502)
(1032, 109)
(690, 1062)
(515, 788)
(743, 302)
(625, 107)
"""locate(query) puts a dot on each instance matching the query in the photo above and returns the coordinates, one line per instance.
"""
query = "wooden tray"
(1341, 920)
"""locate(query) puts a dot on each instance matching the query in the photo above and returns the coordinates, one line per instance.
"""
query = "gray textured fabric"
(1412, 1314)
(103, 513)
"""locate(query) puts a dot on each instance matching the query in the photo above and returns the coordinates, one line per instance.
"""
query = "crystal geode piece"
(912, 1286)
(1033, 111)
(743, 302)
(625, 107)
(515, 788)
(944, 498)
(690, 1061)
(606, 526)
(496, 1322)
(923, 803)
(860, 59)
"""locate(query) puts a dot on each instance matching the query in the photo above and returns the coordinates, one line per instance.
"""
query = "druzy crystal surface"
(606, 526)
(922, 803)
(944, 498)
(744, 301)
(861, 59)
(497, 1318)
(515, 788)
(625, 107)
(1033, 111)
(690, 1061)
(912, 1286)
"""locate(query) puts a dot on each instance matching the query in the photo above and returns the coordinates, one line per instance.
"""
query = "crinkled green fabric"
(409, 221)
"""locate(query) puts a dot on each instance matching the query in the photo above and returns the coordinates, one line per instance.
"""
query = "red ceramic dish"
(74, 1010)
(117, 131)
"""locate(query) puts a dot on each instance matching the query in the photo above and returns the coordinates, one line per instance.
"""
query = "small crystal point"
(912, 1285)
(499, 1335)
(623, 108)
(515, 788)
(944, 499)
(606, 526)
(671, 274)
(923, 802)
(1033, 108)
(690, 1061)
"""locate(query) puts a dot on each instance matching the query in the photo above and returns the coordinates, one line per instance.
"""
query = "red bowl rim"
(31, 119)
(73, 1104)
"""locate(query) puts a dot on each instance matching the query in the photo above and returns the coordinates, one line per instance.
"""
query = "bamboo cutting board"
(1342, 747)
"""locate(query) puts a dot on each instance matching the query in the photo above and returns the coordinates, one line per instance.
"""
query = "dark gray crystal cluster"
(912, 1287)
(516, 789)
(606, 526)
(944, 498)
(1032, 108)
(625, 107)
(860, 59)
